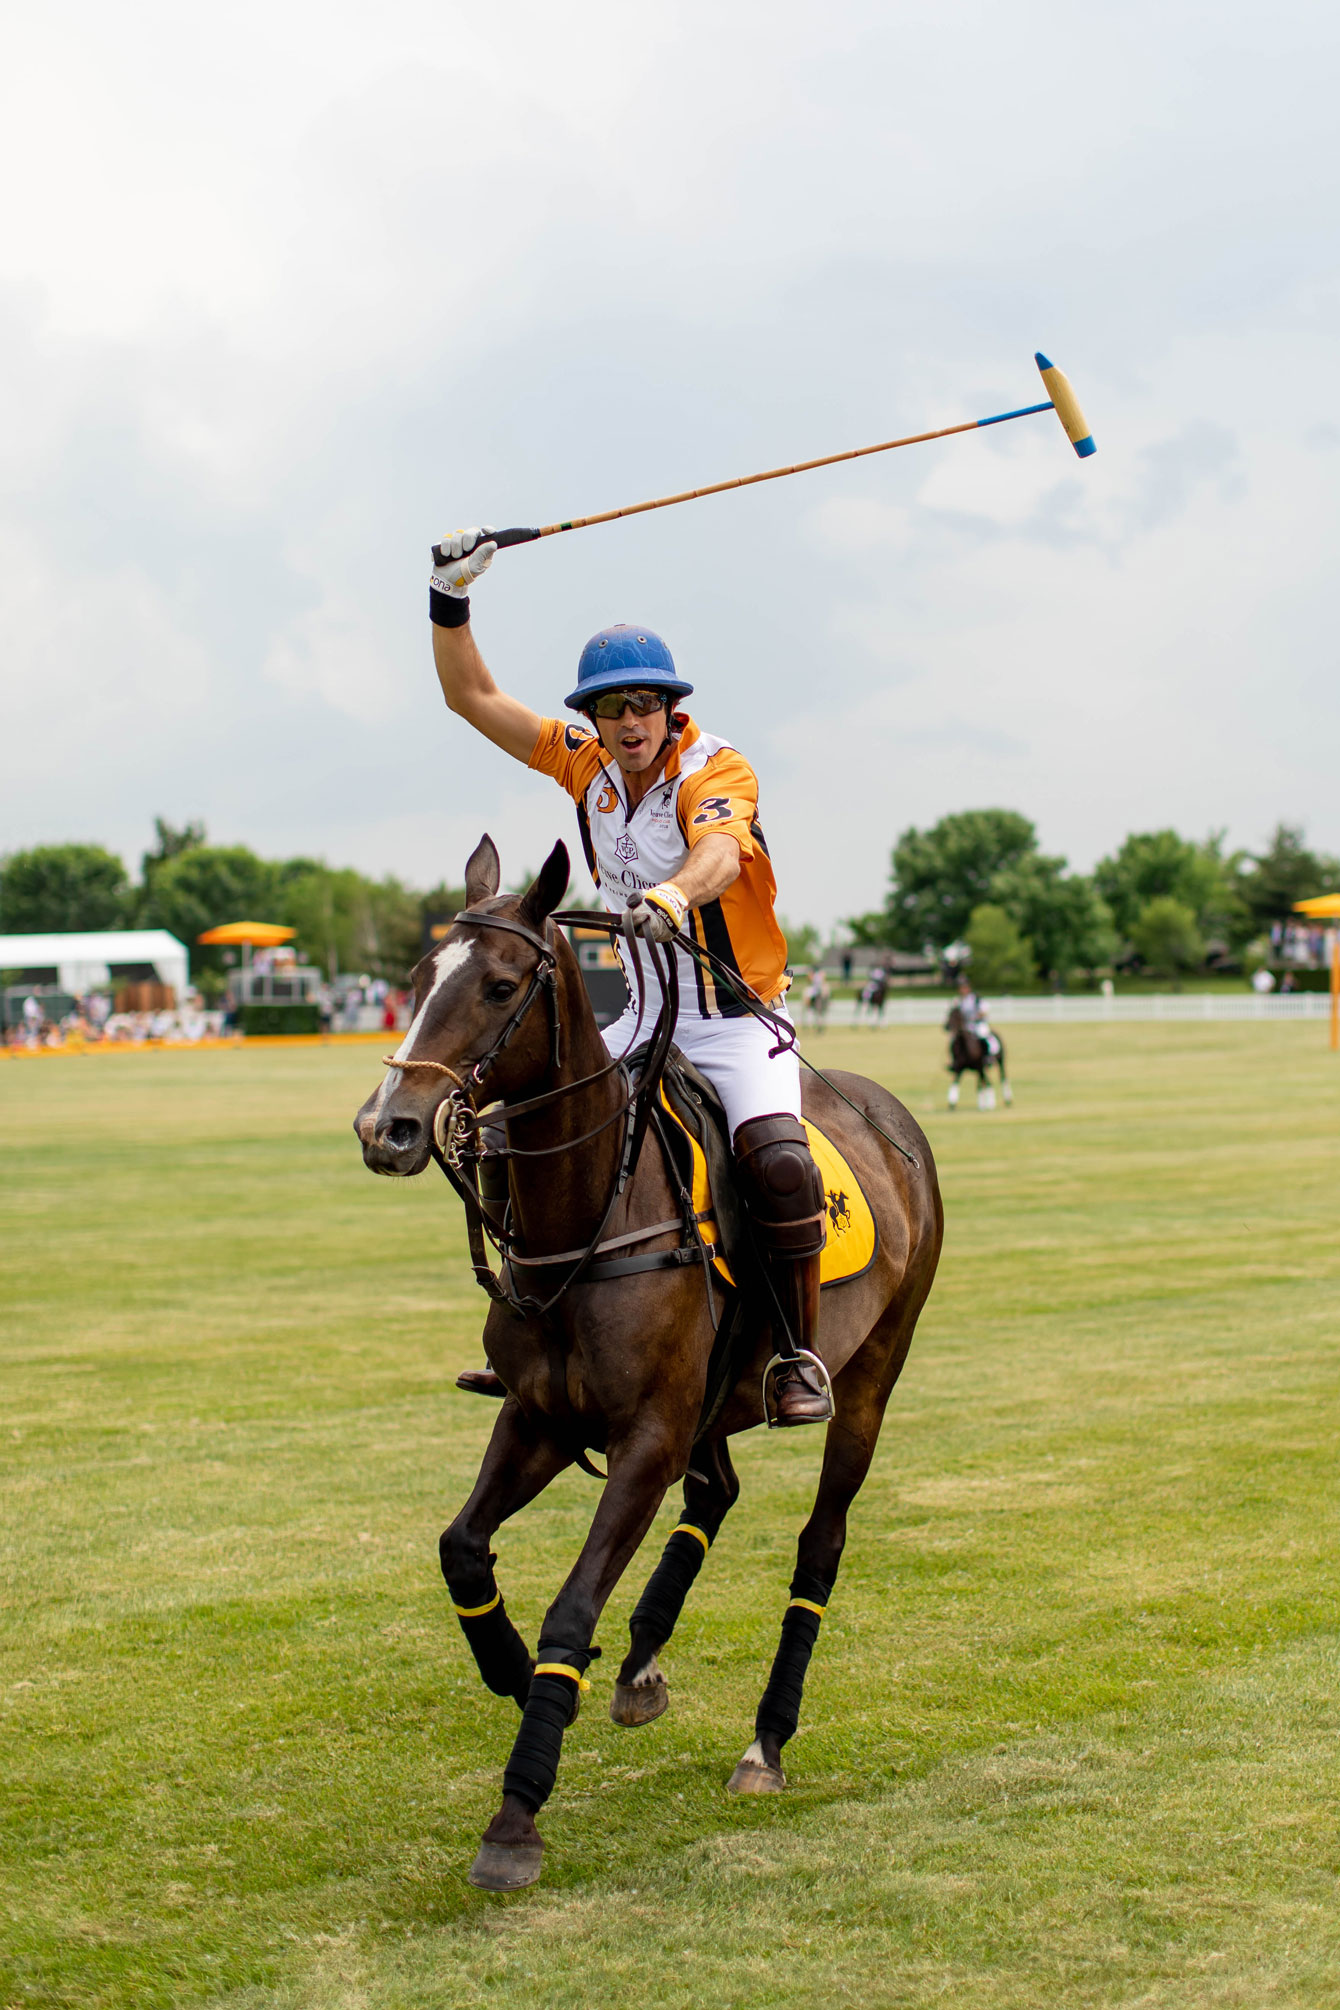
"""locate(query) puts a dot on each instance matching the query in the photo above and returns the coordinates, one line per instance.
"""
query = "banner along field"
(1071, 1730)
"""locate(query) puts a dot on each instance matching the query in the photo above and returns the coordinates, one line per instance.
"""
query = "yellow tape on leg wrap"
(562, 1668)
(687, 1528)
(478, 1611)
(808, 1605)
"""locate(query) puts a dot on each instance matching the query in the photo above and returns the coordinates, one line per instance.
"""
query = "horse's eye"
(500, 993)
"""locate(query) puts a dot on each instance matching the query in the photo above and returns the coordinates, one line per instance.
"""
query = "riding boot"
(494, 1194)
(784, 1195)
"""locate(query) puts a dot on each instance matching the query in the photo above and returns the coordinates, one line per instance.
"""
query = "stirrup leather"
(785, 1361)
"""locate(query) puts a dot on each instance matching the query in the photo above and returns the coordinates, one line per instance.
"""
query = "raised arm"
(467, 683)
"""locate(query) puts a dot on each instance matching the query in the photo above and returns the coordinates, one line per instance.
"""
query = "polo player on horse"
(668, 817)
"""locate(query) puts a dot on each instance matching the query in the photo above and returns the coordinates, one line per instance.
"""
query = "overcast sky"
(287, 290)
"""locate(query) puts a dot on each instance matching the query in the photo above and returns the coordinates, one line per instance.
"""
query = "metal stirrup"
(787, 1361)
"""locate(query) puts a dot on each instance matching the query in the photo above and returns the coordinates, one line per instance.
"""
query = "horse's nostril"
(403, 1133)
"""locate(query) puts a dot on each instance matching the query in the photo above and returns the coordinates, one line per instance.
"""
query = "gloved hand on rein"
(466, 556)
(660, 914)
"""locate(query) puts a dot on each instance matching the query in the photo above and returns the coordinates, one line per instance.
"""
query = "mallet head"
(1067, 406)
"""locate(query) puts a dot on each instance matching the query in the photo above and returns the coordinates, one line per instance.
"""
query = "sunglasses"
(612, 704)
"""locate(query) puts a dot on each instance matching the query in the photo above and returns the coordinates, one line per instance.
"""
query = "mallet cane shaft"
(1062, 401)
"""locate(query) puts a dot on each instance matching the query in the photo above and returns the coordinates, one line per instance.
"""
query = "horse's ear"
(483, 872)
(544, 894)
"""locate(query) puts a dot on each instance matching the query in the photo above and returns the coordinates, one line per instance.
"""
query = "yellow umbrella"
(257, 934)
(1326, 907)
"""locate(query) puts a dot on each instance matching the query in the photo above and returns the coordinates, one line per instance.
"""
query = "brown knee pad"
(782, 1186)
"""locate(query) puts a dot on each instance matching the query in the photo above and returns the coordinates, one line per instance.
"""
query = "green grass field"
(1071, 1730)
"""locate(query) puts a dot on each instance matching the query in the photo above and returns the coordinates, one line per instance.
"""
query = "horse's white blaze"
(446, 962)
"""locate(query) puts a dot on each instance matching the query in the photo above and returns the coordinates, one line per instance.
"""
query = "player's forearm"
(459, 562)
(712, 866)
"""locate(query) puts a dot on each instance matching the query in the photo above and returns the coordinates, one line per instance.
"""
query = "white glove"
(659, 915)
(465, 558)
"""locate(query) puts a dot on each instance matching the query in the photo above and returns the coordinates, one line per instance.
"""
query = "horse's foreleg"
(953, 1093)
(511, 1849)
(519, 1463)
(640, 1694)
(849, 1448)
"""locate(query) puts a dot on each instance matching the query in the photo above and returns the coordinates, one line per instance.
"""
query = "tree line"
(976, 877)
(1170, 903)
(343, 919)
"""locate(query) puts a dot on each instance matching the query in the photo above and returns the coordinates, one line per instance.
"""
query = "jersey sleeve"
(722, 796)
(569, 753)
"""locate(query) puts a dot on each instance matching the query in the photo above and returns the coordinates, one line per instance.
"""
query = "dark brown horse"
(620, 1364)
(969, 1054)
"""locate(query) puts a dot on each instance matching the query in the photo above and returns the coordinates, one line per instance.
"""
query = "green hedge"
(1303, 980)
(271, 1019)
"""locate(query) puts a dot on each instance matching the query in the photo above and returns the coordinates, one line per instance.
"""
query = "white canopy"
(81, 963)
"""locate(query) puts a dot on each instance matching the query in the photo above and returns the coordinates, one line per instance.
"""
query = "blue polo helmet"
(625, 657)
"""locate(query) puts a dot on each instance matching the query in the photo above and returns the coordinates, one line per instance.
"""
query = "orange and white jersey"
(705, 786)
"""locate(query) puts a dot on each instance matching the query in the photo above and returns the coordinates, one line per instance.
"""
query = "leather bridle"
(456, 1120)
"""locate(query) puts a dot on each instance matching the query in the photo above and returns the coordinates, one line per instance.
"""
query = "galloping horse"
(612, 1353)
(969, 1054)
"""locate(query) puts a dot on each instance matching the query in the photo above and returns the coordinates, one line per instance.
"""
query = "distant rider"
(975, 1017)
(668, 817)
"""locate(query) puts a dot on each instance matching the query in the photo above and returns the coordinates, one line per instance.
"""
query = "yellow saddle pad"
(852, 1235)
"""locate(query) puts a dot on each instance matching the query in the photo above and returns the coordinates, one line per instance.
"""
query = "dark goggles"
(612, 704)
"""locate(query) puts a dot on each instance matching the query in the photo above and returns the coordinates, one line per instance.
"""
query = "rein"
(785, 1033)
(456, 1125)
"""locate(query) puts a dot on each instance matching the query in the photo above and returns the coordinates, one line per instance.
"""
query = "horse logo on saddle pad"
(853, 1237)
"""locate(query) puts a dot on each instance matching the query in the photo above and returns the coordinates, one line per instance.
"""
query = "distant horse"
(969, 1054)
(613, 1351)
(873, 994)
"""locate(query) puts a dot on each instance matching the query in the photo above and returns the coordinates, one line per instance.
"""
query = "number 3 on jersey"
(713, 810)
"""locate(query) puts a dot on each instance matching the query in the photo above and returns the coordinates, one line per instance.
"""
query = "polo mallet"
(1062, 401)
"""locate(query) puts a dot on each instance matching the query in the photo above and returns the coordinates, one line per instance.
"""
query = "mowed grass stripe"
(1070, 1729)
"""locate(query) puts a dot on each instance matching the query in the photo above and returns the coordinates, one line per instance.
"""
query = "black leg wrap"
(533, 1766)
(502, 1655)
(656, 1613)
(779, 1711)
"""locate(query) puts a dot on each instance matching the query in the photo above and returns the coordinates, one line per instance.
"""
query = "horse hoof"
(506, 1866)
(639, 1702)
(751, 1778)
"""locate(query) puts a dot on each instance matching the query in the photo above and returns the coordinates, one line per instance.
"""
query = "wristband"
(447, 610)
(668, 898)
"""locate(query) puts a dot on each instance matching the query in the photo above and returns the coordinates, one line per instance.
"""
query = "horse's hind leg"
(849, 1448)
(953, 1094)
(640, 1694)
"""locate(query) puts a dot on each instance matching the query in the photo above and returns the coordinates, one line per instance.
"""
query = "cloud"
(292, 290)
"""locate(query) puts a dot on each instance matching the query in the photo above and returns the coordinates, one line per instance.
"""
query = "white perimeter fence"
(1082, 1010)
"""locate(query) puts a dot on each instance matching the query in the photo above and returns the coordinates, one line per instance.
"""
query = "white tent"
(80, 963)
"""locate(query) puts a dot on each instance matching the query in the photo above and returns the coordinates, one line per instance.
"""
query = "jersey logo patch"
(625, 848)
(574, 739)
(607, 798)
(713, 810)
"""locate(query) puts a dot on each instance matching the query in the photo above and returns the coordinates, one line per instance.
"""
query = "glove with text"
(465, 557)
(660, 914)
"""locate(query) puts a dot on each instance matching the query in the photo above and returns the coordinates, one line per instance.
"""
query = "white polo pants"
(735, 1056)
